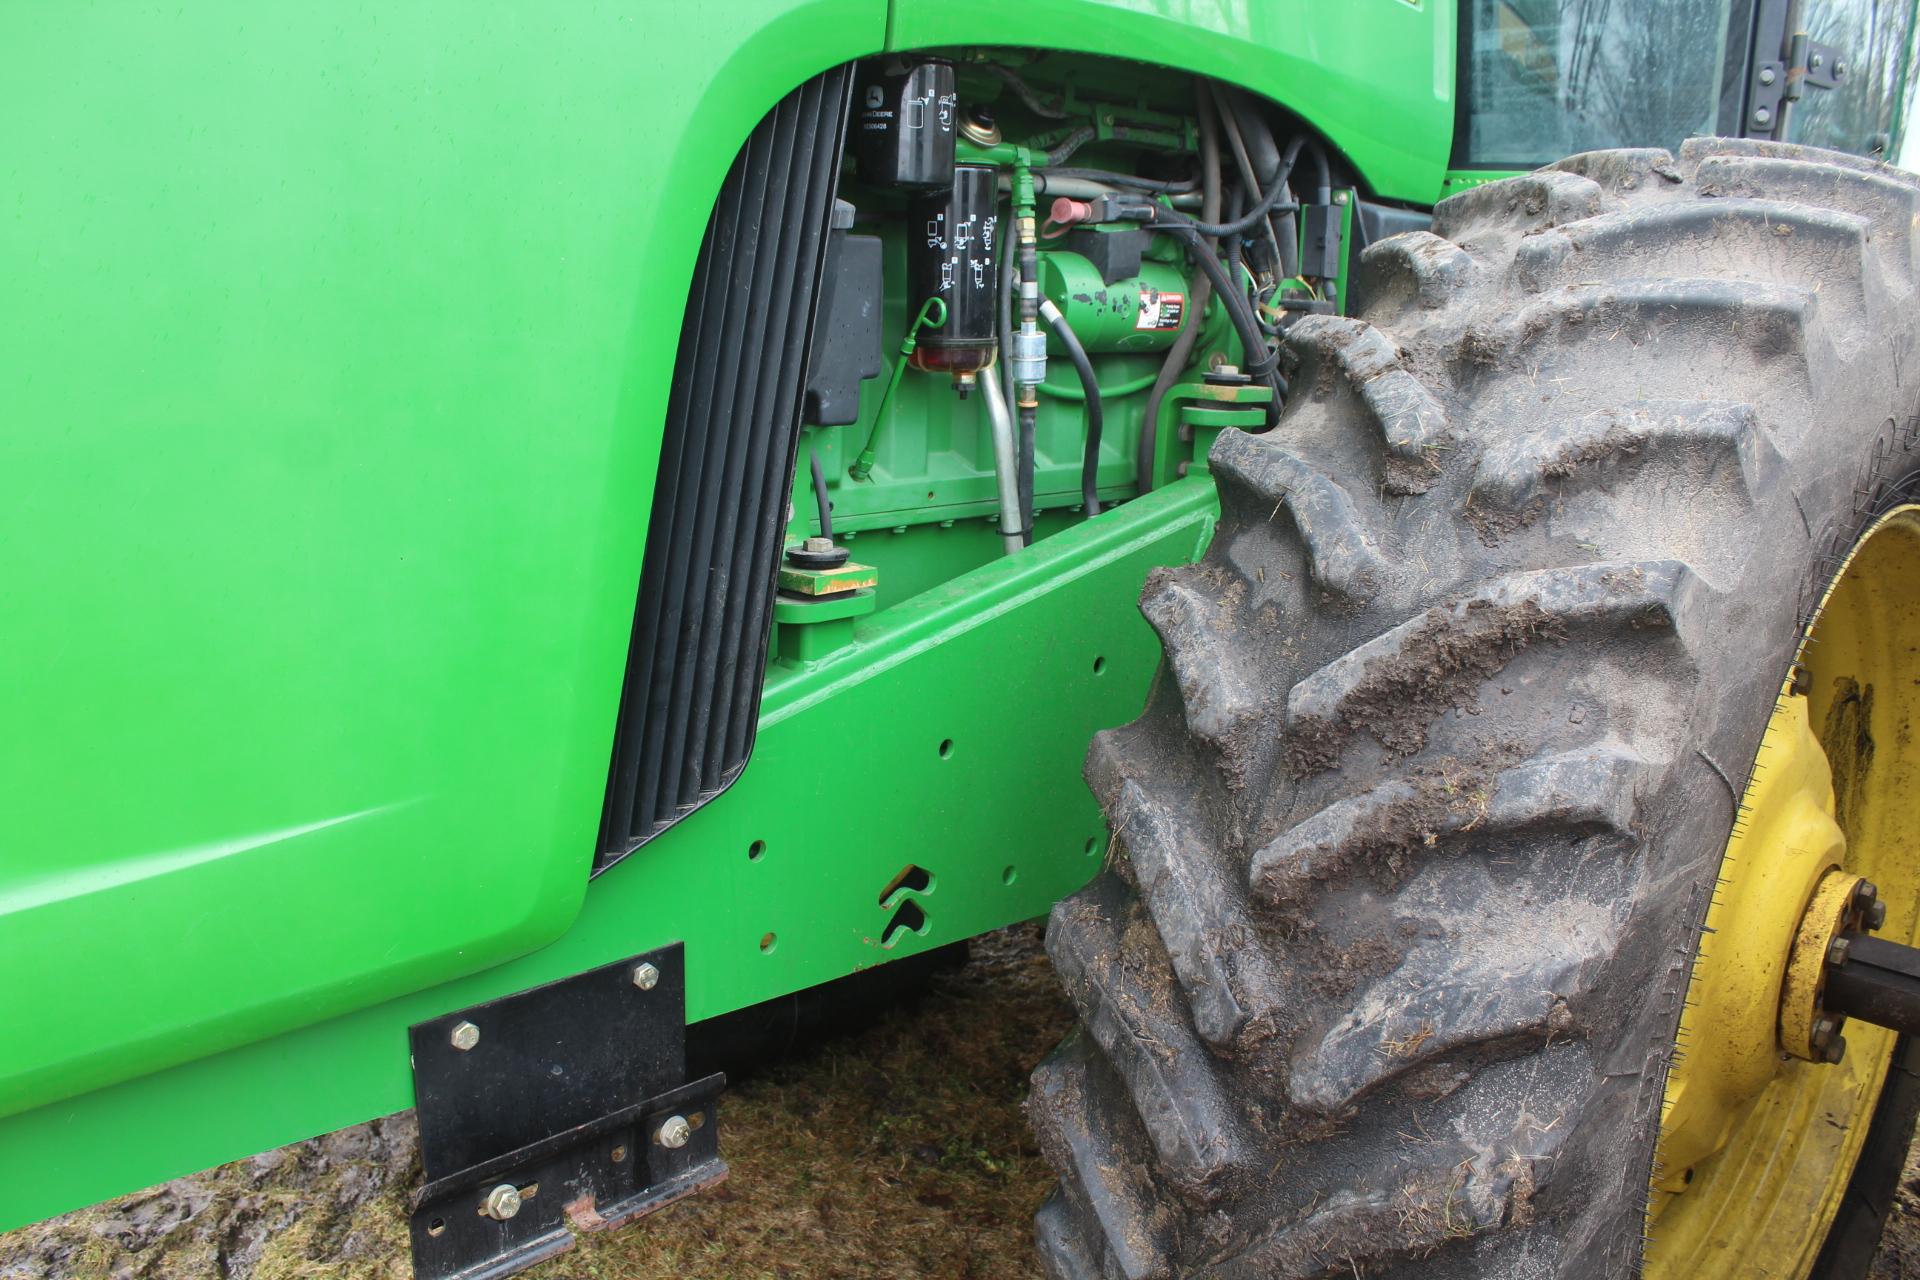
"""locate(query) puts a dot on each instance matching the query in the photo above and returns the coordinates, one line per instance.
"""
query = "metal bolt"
(1837, 951)
(1339, 197)
(1762, 116)
(1823, 1029)
(1876, 915)
(646, 977)
(1800, 680)
(465, 1036)
(819, 544)
(502, 1202)
(675, 1132)
(1839, 70)
(1836, 1049)
(1768, 75)
(1816, 62)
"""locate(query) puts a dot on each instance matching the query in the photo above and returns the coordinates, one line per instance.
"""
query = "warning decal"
(1160, 310)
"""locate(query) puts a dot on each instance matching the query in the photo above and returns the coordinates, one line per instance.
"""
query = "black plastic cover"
(846, 340)
(1114, 253)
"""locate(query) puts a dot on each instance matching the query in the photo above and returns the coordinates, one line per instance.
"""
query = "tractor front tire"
(1416, 835)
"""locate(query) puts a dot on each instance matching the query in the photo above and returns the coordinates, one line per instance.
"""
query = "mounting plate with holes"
(560, 1109)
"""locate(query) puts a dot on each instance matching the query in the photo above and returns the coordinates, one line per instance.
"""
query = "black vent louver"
(701, 625)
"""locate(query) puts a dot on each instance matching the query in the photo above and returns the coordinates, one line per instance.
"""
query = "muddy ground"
(897, 1152)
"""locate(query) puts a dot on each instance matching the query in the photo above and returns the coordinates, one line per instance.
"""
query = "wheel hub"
(1767, 1101)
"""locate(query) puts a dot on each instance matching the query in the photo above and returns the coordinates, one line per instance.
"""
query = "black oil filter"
(904, 132)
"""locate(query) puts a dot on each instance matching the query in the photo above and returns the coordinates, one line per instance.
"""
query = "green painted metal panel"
(1015, 665)
(336, 349)
(1375, 76)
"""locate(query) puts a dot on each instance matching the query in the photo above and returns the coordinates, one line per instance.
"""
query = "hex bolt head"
(1822, 1031)
(465, 1036)
(646, 977)
(818, 544)
(1839, 69)
(675, 1132)
(1762, 116)
(502, 1202)
(1816, 62)
(1837, 951)
(1865, 894)
(1835, 1050)
(1768, 75)
(1800, 682)
(1877, 915)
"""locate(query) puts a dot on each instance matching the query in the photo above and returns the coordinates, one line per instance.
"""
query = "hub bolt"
(1835, 1050)
(675, 1132)
(1837, 951)
(1822, 1033)
(1877, 915)
(502, 1202)
(465, 1036)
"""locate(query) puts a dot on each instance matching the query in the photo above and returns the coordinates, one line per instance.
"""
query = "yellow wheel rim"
(1757, 1146)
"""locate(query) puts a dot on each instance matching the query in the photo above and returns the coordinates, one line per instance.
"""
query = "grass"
(900, 1151)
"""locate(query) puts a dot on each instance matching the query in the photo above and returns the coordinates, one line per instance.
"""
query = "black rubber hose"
(1268, 204)
(820, 501)
(1090, 452)
(1262, 364)
(1068, 145)
(1265, 154)
(1113, 179)
(1029, 421)
(1236, 143)
(1182, 349)
(1025, 91)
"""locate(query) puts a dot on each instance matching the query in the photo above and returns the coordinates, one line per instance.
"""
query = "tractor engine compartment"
(1030, 226)
(961, 300)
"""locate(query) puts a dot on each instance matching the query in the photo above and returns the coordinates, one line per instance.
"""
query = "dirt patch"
(900, 1151)
(1438, 667)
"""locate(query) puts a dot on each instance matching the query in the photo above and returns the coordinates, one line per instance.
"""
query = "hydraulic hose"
(1005, 464)
(1029, 422)
(1181, 351)
(822, 505)
(1262, 364)
(1113, 179)
(1025, 92)
(1090, 453)
(1268, 167)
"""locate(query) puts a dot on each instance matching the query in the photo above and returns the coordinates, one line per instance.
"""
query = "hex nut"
(1837, 951)
(1835, 1050)
(465, 1036)
(646, 977)
(675, 1132)
(502, 1202)
(818, 544)
(1877, 915)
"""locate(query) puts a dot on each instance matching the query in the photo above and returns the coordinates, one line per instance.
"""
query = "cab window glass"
(1547, 78)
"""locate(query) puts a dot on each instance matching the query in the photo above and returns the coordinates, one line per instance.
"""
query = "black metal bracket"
(1787, 63)
(556, 1110)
